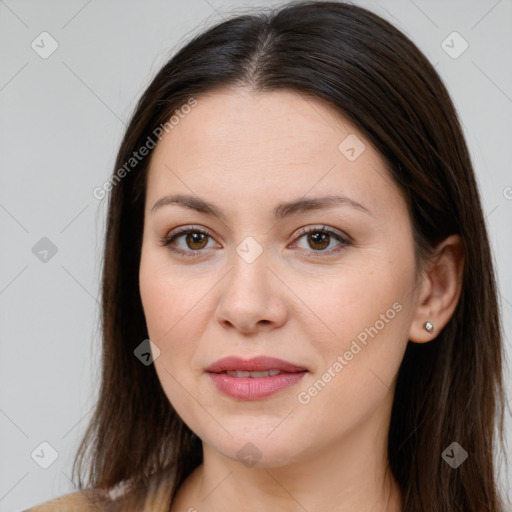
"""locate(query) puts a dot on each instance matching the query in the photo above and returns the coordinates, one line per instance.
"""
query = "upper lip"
(255, 364)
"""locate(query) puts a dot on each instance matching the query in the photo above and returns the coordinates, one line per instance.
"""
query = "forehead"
(281, 144)
(282, 121)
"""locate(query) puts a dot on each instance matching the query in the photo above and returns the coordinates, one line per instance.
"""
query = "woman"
(294, 223)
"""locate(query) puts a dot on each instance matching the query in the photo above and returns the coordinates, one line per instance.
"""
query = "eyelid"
(185, 229)
(322, 227)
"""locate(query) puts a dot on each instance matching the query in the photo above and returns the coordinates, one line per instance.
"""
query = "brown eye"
(187, 241)
(196, 240)
(318, 240)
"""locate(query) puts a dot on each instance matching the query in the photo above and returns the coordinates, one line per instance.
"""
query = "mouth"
(253, 375)
(255, 366)
(253, 379)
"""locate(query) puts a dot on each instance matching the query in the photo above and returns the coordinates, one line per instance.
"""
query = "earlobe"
(439, 291)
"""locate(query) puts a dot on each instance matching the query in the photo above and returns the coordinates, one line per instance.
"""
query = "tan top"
(93, 500)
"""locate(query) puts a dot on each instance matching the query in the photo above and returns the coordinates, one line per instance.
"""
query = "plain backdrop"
(62, 119)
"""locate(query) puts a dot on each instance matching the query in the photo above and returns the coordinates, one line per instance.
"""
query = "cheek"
(367, 309)
(352, 298)
(159, 301)
(166, 298)
(175, 330)
(167, 310)
(176, 312)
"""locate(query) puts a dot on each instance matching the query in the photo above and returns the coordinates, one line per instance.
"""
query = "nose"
(252, 297)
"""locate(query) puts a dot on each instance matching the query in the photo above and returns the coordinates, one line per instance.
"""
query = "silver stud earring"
(429, 326)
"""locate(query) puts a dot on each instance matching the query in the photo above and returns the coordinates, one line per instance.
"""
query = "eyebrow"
(280, 211)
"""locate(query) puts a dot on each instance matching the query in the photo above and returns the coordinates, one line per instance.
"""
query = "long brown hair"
(449, 389)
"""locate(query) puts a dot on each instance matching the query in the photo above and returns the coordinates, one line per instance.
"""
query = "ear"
(439, 290)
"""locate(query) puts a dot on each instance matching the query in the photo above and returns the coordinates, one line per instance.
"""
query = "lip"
(253, 388)
(255, 364)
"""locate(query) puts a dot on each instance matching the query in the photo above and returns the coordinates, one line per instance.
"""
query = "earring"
(428, 326)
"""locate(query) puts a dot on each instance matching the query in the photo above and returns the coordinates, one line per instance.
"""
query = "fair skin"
(247, 152)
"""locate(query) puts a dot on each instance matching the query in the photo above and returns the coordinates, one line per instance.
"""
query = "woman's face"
(336, 304)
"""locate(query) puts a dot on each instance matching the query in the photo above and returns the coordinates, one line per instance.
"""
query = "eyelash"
(167, 240)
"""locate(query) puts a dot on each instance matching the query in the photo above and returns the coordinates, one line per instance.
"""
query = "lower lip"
(254, 388)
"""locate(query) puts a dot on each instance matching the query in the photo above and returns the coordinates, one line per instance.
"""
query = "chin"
(257, 446)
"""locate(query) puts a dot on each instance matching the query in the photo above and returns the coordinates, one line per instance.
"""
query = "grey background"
(62, 119)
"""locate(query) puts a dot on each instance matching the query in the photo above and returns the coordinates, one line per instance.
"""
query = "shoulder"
(84, 500)
(87, 499)
(125, 495)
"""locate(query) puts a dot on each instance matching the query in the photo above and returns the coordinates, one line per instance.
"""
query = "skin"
(246, 152)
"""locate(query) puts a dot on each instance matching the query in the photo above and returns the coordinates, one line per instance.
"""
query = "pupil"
(319, 238)
(193, 239)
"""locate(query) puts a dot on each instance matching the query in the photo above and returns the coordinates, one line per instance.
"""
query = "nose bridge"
(249, 295)
(250, 270)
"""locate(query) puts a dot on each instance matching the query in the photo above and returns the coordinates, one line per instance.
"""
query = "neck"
(352, 475)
